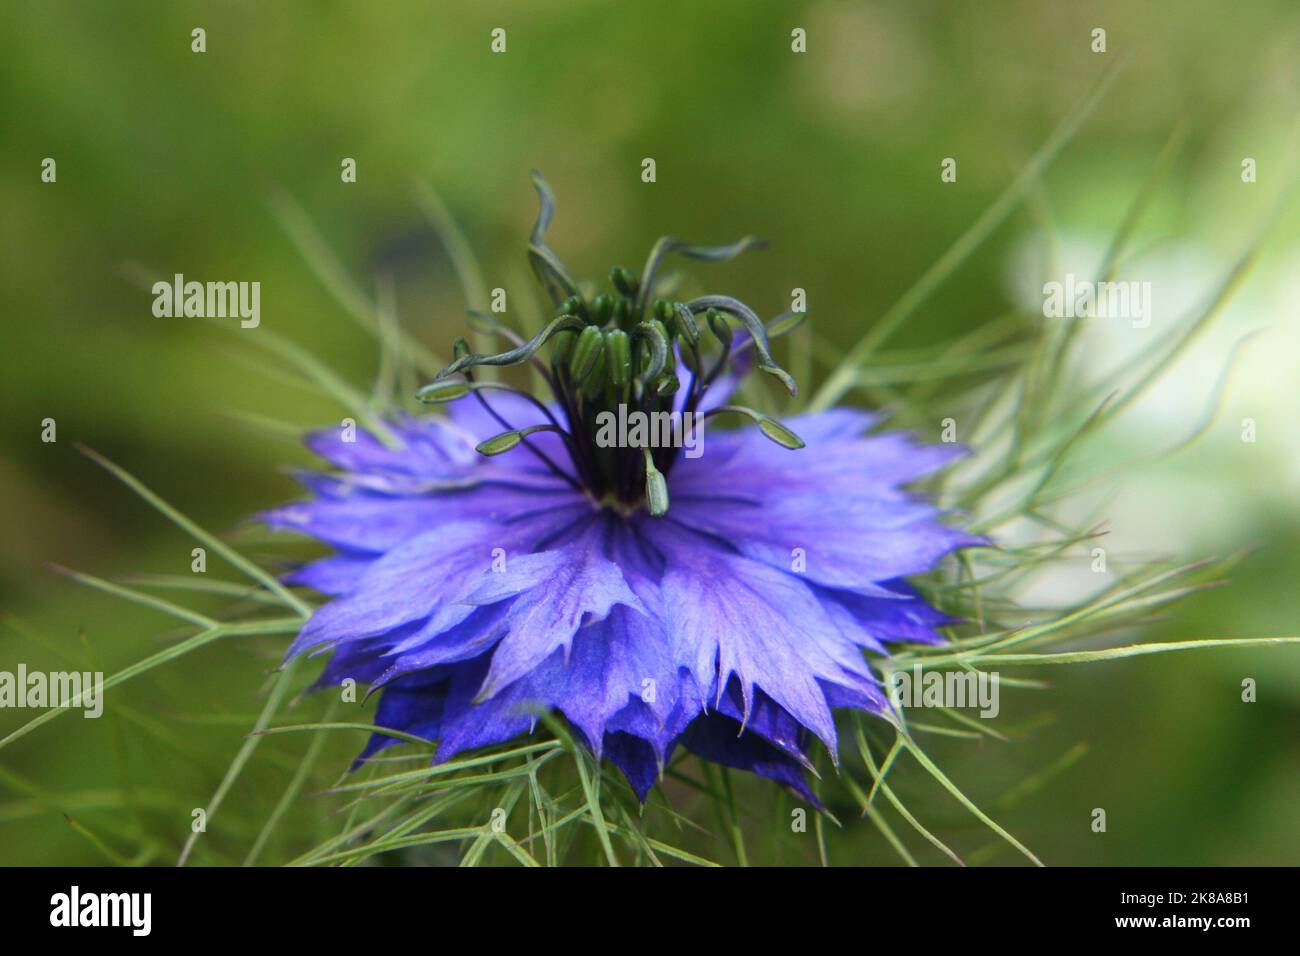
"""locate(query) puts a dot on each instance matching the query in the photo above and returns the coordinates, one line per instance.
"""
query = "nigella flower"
(503, 561)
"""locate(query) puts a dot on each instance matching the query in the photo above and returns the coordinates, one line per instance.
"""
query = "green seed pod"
(618, 352)
(588, 349)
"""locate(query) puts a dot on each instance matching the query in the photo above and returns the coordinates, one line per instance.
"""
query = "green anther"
(780, 434)
(594, 384)
(498, 444)
(562, 346)
(602, 308)
(587, 351)
(770, 427)
(447, 390)
(622, 310)
(618, 354)
(573, 305)
(656, 488)
(624, 281)
(719, 326)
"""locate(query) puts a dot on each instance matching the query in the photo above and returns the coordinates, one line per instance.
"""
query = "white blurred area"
(1219, 493)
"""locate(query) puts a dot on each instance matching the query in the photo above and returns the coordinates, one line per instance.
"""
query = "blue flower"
(501, 562)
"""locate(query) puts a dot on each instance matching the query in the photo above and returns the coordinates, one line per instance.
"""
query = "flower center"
(628, 372)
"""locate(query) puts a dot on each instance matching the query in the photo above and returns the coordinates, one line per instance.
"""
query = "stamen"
(537, 452)
(768, 426)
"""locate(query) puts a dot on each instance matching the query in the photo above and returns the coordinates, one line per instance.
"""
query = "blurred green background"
(168, 161)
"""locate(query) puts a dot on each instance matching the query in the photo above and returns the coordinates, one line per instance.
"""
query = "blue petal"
(636, 759)
(906, 619)
(719, 738)
(336, 575)
(425, 447)
(377, 523)
(464, 641)
(583, 587)
(413, 707)
(644, 633)
(837, 501)
(408, 583)
(731, 615)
